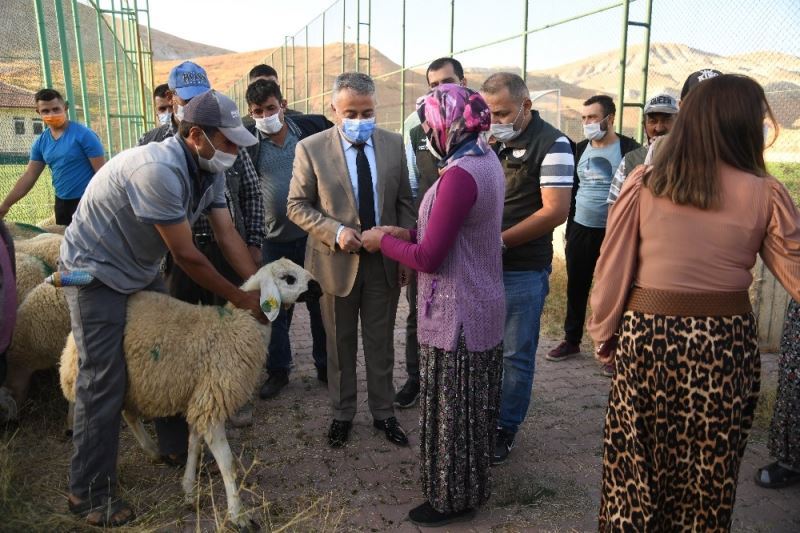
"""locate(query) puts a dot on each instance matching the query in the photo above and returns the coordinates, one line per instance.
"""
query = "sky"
(721, 26)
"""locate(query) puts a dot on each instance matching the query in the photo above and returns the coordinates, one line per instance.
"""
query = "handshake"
(351, 241)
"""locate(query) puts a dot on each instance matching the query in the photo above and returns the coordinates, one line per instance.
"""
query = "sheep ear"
(270, 298)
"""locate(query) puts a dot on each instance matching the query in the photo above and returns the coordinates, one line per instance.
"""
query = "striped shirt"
(558, 166)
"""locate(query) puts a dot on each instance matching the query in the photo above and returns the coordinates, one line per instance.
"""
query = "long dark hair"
(721, 120)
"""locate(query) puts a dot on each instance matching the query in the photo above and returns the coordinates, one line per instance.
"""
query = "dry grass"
(34, 460)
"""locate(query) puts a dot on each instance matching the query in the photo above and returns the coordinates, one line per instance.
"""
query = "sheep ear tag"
(270, 299)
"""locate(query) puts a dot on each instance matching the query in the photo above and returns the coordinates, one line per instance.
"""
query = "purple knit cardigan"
(466, 293)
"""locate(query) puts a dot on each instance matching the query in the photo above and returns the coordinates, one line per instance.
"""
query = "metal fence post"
(81, 68)
(525, 44)
(452, 26)
(307, 72)
(44, 51)
(623, 59)
(106, 105)
(403, 71)
(65, 63)
(648, 21)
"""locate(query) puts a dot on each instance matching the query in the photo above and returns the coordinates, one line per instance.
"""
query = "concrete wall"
(10, 141)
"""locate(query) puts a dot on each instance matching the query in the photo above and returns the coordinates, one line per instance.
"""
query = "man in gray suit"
(346, 180)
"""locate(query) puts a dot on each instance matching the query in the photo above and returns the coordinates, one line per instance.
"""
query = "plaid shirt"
(251, 204)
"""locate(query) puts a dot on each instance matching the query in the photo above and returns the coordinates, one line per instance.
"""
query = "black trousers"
(64, 209)
(412, 344)
(182, 287)
(582, 251)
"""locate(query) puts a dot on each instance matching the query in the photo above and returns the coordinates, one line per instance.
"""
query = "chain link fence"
(567, 52)
(94, 52)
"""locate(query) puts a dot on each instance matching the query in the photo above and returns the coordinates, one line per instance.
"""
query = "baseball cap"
(188, 80)
(217, 110)
(696, 77)
(661, 103)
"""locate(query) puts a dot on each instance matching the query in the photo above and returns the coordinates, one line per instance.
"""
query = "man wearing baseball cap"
(659, 115)
(140, 205)
(243, 194)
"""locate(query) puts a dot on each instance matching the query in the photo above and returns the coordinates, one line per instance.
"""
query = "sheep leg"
(218, 444)
(142, 437)
(190, 474)
(18, 380)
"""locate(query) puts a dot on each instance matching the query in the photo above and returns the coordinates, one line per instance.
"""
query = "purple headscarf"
(453, 118)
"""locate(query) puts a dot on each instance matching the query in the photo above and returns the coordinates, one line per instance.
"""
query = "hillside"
(169, 47)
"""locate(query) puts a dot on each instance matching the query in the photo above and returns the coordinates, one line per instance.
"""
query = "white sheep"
(21, 230)
(31, 271)
(201, 361)
(45, 246)
(40, 335)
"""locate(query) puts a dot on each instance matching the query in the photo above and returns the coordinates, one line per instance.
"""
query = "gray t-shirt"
(595, 172)
(112, 235)
(275, 168)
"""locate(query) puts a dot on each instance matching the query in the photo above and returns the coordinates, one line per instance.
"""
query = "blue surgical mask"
(358, 130)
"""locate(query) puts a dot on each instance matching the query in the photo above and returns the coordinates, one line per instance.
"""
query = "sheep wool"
(42, 327)
(30, 273)
(227, 348)
(46, 247)
(20, 230)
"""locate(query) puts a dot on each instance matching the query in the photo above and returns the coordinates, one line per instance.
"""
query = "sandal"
(775, 476)
(111, 508)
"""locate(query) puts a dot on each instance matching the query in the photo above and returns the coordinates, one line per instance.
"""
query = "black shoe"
(426, 516)
(394, 432)
(504, 441)
(275, 382)
(322, 374)
(339, 433)
(408, 395)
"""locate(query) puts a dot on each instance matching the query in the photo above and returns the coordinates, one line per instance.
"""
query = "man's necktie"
(366, 195)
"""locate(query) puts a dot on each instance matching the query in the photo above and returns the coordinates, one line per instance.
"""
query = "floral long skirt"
(679, 413)
(460, 400)
(784, 432)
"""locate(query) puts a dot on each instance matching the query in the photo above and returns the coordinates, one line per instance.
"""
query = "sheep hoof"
(247, 525)
(8, 406)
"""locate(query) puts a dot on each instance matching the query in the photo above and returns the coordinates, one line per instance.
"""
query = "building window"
(38, 127)
(19, 126)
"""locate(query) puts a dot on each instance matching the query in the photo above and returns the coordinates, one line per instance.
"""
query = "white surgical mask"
(434, 152)
(179, 112)
(506, 132)
(164, 118)
(269, 125)
(219, 162)
(594, 131)
(766, 133)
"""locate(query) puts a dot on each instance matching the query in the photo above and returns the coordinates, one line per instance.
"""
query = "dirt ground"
(294, 482)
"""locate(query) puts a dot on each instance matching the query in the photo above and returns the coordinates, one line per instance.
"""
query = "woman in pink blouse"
(671, 311)
(461, 304)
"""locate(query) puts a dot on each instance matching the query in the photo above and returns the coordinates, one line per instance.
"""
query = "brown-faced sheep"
(201, 361)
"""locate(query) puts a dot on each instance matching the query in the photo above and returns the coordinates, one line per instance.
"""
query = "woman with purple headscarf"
(461, 304)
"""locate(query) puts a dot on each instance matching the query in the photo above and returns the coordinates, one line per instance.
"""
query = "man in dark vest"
(273, 156)
(538, 164)
(423, 171)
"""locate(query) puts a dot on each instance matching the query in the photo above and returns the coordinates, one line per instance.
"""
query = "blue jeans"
(280, 350)
(525, 295)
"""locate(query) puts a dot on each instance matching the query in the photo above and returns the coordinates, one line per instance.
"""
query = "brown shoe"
(563, 351)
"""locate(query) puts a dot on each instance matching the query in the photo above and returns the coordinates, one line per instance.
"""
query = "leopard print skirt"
(679, 412)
